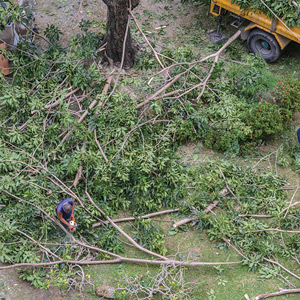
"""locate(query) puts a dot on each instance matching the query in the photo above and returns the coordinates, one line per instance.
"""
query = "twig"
(65, 97)
(96, 101)
(227, 186)
(291, 202)
(297, 5)
(183, 221)
(77, 177)
(35, 33)
(211, 206)
(267, 156)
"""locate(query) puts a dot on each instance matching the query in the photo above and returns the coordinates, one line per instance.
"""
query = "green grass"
(236, 278)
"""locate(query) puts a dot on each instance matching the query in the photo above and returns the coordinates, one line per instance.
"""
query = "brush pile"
(288, 11)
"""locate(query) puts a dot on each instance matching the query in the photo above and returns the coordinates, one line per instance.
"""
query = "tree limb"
(281, 292)
(99, 146)
(145, 38)
(134, 218)
(282, 267)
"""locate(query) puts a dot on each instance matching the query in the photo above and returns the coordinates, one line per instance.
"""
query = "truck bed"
(260, 20)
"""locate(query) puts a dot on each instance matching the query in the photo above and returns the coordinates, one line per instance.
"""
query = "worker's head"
(67, 208)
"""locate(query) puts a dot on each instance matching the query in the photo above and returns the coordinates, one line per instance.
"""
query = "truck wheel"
(265, 44)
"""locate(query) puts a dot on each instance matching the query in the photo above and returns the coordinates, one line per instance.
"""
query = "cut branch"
(160, 90)
(59, 101)
(282, 267)
(255, 216)
(145, 38)
(184, 221)
(227, 186)
(209, 208)
(122, 259)
(134, 218)
(99, 146)
(37, 243)
(280, 293)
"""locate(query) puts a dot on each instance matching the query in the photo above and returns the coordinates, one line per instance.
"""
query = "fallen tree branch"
(297, 5)
(280, 293)
(216, 59)
(208, 209)
(291, 202)
(183, 221)
(36, 33)
(91, 106)
(161, 89)
(214, 55)
(122, 259)
(145, 38)
(211, 206)
(227, 186)
(255, 216)
(99, 146)
(65, 97)
(78, 176)
(134, 218)
(37, 243)
(276, 229)
(234, 247)
(282, 267)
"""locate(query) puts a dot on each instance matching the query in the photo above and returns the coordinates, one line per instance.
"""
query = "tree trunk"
(117, 20)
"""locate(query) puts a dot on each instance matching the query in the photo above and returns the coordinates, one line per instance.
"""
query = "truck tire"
(265, 44)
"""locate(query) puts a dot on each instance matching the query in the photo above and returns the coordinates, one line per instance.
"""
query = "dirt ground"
(14, 288)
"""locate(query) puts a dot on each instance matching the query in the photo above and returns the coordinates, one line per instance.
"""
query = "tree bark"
(117, 22)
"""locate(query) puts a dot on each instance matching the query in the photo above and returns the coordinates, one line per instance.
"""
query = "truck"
(265, 36)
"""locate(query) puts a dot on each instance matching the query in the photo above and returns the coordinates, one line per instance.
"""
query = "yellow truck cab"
(264, 35)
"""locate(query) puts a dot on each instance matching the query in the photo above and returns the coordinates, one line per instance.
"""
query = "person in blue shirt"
(65, 212)
(298, 136)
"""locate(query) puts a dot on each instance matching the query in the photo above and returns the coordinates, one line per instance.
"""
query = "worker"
(65, 212)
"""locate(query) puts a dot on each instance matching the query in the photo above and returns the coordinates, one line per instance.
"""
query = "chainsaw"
(74, 225)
